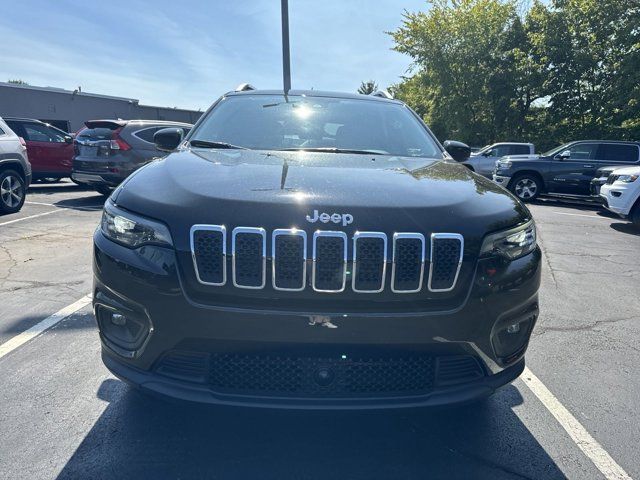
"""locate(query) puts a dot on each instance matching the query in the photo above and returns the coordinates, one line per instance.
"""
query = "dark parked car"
(565, 170)
(314, 250)
(50, 149)
(108, 151)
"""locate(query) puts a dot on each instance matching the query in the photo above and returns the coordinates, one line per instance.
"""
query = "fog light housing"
(511, 334)
(123, 331)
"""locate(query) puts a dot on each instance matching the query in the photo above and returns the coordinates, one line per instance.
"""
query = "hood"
(625, 170)
(526, 157)
(279, 189)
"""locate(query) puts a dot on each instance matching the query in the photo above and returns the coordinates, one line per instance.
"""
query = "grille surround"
(202, 254)
(209, 228)
(249, 231)
(328, 234)
(444, 236)
(281, 232)
(366, 235)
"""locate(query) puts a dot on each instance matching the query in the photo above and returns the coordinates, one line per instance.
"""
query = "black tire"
(634, 215)
(104, 190)
(12, 191)
(526, 186)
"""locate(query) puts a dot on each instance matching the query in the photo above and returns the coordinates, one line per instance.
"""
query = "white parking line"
(581, 215)
(585, 442)
(44, 325)
(27, 218)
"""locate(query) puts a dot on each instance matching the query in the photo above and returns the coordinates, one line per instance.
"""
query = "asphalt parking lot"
(62, 415)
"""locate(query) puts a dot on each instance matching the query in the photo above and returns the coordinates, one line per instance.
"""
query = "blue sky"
(187, 53)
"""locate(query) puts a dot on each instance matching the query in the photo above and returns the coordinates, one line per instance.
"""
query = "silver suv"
(484, 161)
(15, 170)
(108, 151)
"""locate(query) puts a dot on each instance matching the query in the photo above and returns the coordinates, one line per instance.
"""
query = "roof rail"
(382, 94)
(243, 87)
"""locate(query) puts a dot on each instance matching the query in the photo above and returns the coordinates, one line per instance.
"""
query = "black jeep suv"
(565, 170)
(314, 250)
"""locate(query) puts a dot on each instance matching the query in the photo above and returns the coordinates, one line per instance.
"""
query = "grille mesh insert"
(329, 263)
(320, 376)
(248, 270)
(369, 263)
(208, 254)
(445, 257)
(289, 261)
(408, 264)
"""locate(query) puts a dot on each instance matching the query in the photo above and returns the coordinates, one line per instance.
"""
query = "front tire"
(104, 190)
(526, 187)
(634, 215)
(12, 191)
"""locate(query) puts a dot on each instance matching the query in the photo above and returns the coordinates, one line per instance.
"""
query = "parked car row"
(601, 170)
(101, 156)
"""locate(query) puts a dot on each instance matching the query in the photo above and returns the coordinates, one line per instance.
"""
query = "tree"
(368, 87)
(17, 81)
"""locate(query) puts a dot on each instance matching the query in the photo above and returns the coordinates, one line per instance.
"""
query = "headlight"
(503, 164)
(512, 243)
(132, 230)
(626, 178)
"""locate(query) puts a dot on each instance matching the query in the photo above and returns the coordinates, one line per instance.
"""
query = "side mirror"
(168, 139)
(68, 139)
(564, 154)
(458, 150)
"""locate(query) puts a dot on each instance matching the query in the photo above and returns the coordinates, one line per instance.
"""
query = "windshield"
(275, 122)
(556, 150)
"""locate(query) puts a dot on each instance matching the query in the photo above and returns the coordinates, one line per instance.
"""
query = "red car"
(50, 150)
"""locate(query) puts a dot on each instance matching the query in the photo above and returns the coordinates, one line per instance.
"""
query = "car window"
(275, 122)
(93, 134)
(2, 132)
(583, 151)
(147, 134)
(612, 152)
(519, 149)
(500, 151)
(42, 133)
(17, 128)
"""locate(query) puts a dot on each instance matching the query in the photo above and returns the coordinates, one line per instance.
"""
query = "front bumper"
(145, 286)
(501, 180)
(619, 198)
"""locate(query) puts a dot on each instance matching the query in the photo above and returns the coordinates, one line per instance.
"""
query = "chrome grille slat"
(288, 265)
(369, 262)
(331, 263)
(445, 261)
(217, 262)
(408, 262)
(249, 263)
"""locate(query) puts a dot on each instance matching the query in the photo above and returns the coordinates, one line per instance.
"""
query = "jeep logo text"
(344, 218)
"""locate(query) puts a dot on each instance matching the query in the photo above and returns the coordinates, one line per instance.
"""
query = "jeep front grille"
(409, 255)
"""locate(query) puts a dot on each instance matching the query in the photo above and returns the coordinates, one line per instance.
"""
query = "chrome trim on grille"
(255, 231)
(407, 235)
(336, 234)
(357, 236)
(288, 232)
(454, 236)
(212, 228)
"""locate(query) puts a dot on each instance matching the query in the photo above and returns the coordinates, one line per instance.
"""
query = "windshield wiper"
(334, 150)
(208, 144)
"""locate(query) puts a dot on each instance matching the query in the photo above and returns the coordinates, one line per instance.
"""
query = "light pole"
(286, 61)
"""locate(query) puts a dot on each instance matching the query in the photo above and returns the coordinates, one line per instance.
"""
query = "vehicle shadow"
(628, 228)
(51, 188)
(142, 437)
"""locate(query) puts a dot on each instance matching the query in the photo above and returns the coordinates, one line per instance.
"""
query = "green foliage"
(368, 87)
(489, 70)
(17, 81)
